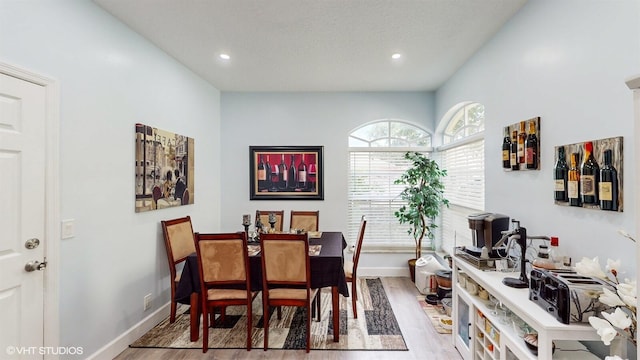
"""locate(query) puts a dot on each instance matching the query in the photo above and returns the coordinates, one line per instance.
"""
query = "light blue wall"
(307, 119)
(110, 78)
(565, 61)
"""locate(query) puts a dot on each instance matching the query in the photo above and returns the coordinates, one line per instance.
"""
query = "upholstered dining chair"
(351, 267)
(225, 280)
(263, 215)
(286, 276)
(305, 220)
(179, 242)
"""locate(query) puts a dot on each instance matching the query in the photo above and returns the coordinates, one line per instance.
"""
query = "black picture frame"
(268, 182)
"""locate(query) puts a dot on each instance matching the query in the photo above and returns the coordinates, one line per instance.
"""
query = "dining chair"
(264, 218)
(286, 277)
(225, 280)
(305, 220)
(179, 242)
(351, 267)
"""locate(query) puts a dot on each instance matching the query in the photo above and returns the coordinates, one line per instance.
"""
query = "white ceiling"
(318, 45)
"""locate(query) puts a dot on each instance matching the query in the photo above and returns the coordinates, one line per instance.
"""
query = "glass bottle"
(282, 175)
(608, 186)
(506, 149)
(531, 147)
(514, 151)
(302, 173)
(573, 184)
(262, 174)
(589, 177)
(291, 177)
(560, 175)
(522, 136)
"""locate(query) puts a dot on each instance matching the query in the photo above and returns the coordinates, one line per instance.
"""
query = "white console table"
(509, 344)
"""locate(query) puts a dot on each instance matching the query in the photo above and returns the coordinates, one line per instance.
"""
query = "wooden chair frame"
(175, 255)
(272, 285)
(233, 273)
(304, 214)
(351, 268)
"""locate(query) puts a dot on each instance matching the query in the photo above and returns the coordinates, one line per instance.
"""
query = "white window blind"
(372, 192)
(464, 188)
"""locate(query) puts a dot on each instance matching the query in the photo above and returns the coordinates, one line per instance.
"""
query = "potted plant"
(424, 194)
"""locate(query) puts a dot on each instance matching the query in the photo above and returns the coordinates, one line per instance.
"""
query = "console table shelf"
(506, 343)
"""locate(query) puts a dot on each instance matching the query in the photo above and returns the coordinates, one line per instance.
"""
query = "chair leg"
(205, 328)
(318, 300)
(279, 312)
(249, 323)
(265, 321)
(354, 298)
(308, 327)
(174, 305)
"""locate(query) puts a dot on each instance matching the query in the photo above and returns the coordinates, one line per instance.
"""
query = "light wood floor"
(420, 336)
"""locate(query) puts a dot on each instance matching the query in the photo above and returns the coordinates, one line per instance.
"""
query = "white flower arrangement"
(622, 321)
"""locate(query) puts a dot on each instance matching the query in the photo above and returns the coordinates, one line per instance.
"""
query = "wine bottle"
(531, 147)
(291, 177)
(589, 177)
(302, 173)
(573, 185)
(608, 187)
(262, 174)
(282, 175)
(513, 155)
(267, 170)
(275, 176)
(506, 149)
(522, 136)
(560, 176)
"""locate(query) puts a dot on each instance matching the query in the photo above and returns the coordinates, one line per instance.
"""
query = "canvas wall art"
(164, 171)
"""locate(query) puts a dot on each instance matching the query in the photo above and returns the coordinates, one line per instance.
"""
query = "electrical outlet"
(147, 302)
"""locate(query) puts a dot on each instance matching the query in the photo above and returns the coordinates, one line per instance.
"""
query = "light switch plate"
(68, 228)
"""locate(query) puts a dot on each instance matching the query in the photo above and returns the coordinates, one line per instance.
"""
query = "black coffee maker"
(486, 232)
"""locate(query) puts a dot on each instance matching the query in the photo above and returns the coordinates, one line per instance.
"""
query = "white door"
(22, 216)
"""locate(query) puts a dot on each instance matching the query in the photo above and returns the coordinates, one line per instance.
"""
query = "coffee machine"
(486, 232)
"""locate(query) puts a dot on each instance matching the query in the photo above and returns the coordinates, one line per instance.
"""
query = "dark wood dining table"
(327, 270)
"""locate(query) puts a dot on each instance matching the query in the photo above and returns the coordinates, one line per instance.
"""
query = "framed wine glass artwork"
(286, 173)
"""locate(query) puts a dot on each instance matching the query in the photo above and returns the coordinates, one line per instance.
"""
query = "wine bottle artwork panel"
(589, 174)
(521, 145)
(286, 172)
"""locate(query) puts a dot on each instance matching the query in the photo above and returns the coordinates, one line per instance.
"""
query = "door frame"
(51, 315)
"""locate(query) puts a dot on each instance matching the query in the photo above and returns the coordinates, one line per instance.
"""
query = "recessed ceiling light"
(396, 56)
(225, 56)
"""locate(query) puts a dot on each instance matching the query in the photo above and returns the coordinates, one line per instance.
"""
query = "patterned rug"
(434, 313)
(376, 327)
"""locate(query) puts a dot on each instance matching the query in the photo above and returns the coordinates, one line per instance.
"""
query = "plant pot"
(412, 269)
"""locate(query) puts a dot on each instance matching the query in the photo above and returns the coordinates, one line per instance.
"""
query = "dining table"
(327, 270)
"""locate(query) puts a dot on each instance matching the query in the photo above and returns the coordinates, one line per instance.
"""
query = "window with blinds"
(376, 160)
(463, 158)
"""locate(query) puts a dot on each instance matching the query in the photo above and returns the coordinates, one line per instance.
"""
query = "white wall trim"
(51, 314)
(119, 344)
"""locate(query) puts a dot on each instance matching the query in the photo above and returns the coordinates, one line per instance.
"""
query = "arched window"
(462, 155)
(376, 160)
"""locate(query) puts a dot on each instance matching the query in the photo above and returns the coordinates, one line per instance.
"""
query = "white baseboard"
(119, 344)
(382, 271)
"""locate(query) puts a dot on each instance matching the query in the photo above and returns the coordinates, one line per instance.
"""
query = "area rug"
(434, 313)
(376, 327)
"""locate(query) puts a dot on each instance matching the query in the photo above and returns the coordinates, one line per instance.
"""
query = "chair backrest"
(305, 220)
(285, 259)
(264, 218)
(356, 253)
(179, 240)
(222, 259)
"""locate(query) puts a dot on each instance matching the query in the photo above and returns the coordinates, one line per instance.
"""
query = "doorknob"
(35, 265)
(32, 243)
